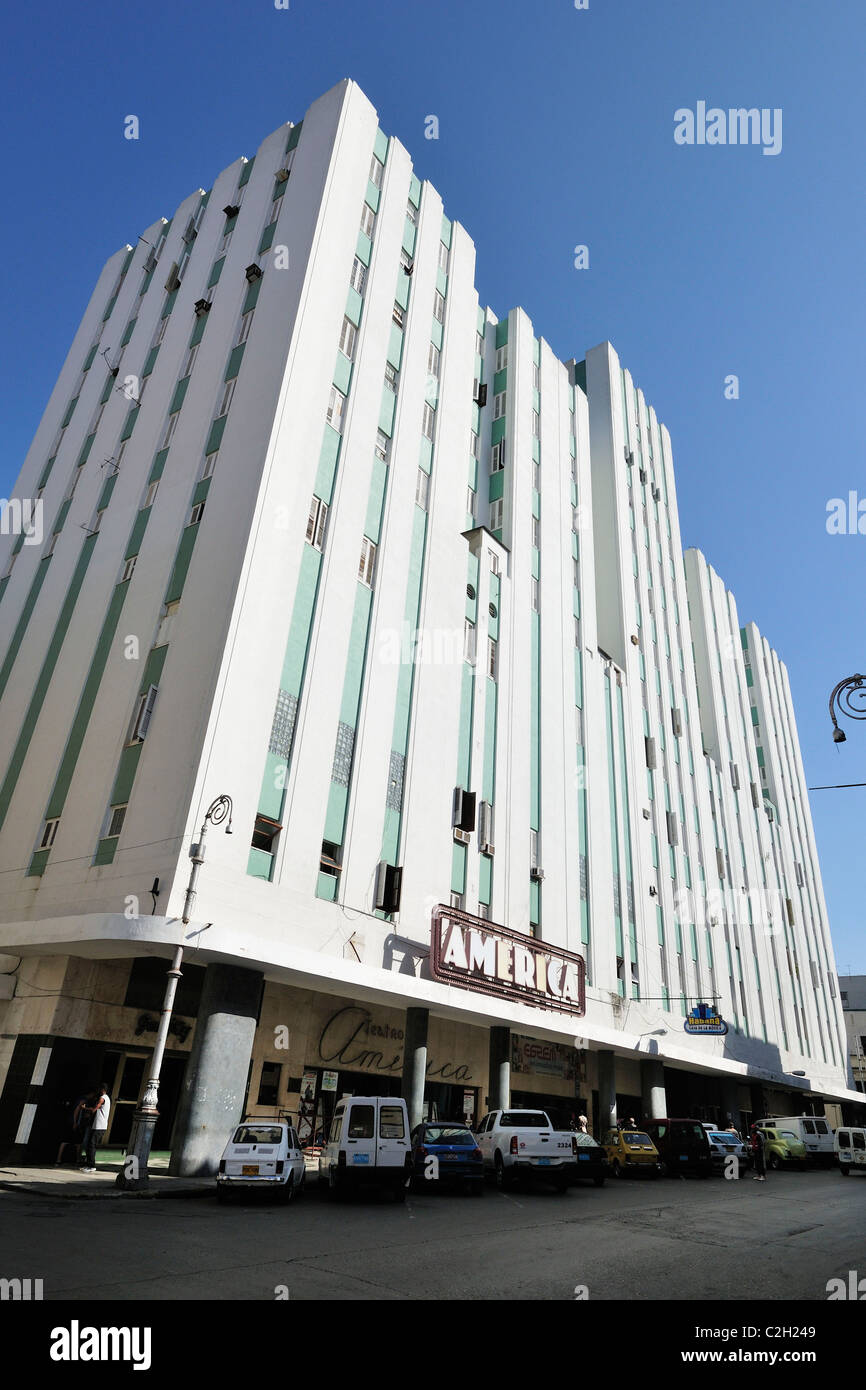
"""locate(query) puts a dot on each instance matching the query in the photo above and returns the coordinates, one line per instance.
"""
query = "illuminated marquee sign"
(474, 954)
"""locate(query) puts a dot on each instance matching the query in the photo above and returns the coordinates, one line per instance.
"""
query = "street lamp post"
(134, 1172)
(849, 697)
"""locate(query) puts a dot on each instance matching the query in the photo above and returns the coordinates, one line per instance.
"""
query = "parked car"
(368, 1146)
(850, 1149)
(590, 1160)
(813, 1131)
(262, 1155)
(682, 1146)
(522, 1144)
(782, 1148)
(631, 1151)
(445, 1154)
(724, 1144)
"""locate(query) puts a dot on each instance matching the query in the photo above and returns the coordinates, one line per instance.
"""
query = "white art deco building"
(513, 790)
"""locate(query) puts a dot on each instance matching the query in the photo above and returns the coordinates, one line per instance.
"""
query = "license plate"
(360, 1158)
(584, 1158)
(449, 1157)
(544, 1162)
(249, 1170)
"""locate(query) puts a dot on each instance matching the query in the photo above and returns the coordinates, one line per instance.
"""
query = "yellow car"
(783, 1148)
(631, 1151)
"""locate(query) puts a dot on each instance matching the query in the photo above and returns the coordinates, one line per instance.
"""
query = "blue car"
(445, 1154)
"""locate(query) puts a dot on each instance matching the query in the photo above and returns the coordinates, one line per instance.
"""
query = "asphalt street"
(637, 1240)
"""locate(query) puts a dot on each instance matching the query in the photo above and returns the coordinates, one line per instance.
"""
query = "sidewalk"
(69, 1182)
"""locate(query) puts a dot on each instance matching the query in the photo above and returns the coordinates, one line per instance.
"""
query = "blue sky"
(556, 129)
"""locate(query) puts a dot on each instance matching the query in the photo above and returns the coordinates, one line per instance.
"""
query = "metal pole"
(134, 1173)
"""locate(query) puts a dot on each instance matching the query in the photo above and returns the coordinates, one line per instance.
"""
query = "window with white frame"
(536, 376)
(276, 206)
(444, 253)
(469, 635)
(49, 833)
(209, 464)
(228, 393)
(316, 523)
(536, 476)
(536, 533)
(422, 489)
(358, 278)
(367, 562)
(471, 499)
(412, 213)
(533, 849)
(406, 260)
(390, 377)
(575, 518)
(128, 569)
(226, 241)
(479, 344)
(150, 494)
(433, 356)
(336, 404)
(491, 658)
(398, 314)
(499, 405)
(533, 593)
(494, 562)
(348, 336)
(381, 445)
(496, 515)
(535, 424)
(428, 421)
(368, 220)
(190, 361)
(377, 171)
(196, 514)
(246, 324)
(116, 817)
(501, 357)
(439, 307)
(97, 416)
(497, 457)
(475, 444)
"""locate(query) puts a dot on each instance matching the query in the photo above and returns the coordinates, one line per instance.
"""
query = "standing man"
(758, 1152)
(97, 1123)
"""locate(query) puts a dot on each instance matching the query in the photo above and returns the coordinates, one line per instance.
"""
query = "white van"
(850, 1149)
(368, 1146)
(812, 1130)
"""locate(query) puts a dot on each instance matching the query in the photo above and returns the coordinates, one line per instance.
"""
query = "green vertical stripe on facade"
(38, 698)
(85, 704)
(413, 601)
(236, 357)
(464, 742)
(327, 469)
(458, 868)
(355, 657)
(21, 628)
(535, 728)
(126, 770)
(485, 878)
(181, 563)
(302, 617)
(137, 534)
(375, 505)
(488, 778)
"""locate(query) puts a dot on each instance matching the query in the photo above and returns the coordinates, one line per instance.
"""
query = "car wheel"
(598, 1182)
(844, 1170)
(499, 1173)
(774, 1163)
(287, 1191)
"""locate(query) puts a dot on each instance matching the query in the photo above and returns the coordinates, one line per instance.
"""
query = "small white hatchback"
(262, 1154)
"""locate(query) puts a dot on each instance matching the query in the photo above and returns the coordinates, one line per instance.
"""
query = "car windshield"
(447, 1134)
(524, 1119)
(258, 1134)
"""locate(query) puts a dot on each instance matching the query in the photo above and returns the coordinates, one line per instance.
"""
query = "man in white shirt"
(97, 1112)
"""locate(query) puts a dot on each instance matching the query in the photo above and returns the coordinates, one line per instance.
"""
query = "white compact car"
(262, 1154)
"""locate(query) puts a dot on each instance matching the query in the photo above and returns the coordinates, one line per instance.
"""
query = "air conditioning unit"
(657, 494)
(463, 810)
(149, 262)
(281, 175)
(629, 457)
(536, 874)
(677, 723)
(756, 800)
(462, 836)
(173, 282)
(253, 272)
(190, 232)
(231, 210)
(481, 398)
(650, 747)
(642, 475)
(387, 885)
(202, 307)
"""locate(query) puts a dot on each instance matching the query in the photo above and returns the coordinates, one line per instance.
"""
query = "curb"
(151, 1194)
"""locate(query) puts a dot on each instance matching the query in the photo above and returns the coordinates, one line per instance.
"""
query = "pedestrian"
(759, 1174)
(73, 1130)
(97, 1112)
(581, 1125)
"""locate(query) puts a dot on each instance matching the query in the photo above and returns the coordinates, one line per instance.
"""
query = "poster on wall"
(529, 1056)
(329, 1080)
(307, 1106)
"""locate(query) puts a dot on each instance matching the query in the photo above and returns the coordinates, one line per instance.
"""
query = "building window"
(398, 315)
(428, 421)
(190, 361)
(128, 569)
(456, 900)
(170, 429)
(368, 220)
(377, 171)
(265, 834)
(358, 278)
(381, 445)
(494, 562)
(269, 1083)
(536, 376)
(475, 444)
(422, 489)
(469, 633)
(438, 307)
(496, 515)
(499, 405)
(533, 591)
(245, 326)
(444, 255)
(367, 563)
(533, 850)
(536, 476)
(535, 424)
(116, 817)
(226, 241)
(501, 358)
(390, 377)
(276, 206)
(433, 356)
(49, 833)
(316, 523)
(536, 532)
(406, 261)
(330, 861)
(210, 462)
(336, 403)
(497, 457)
(491, 658)
(228, 393)
(196, 514)
(142, 715)
(412, 214)
(471, 499)
(347, 338)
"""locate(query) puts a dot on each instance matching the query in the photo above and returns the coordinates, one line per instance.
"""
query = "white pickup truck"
(519, 1144)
